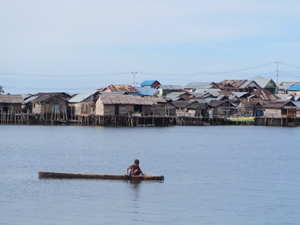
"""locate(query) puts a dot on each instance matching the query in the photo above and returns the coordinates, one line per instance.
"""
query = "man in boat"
(135, 168)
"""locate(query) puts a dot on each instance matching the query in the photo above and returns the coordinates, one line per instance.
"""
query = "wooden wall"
(54, 106)
(275, 113)
(11, 107)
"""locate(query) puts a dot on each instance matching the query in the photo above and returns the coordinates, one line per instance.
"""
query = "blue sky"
(78, 46)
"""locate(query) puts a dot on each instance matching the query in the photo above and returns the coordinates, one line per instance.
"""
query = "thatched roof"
(16, 99)
(279, 104)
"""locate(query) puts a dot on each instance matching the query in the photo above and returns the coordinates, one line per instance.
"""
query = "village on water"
(259, 101)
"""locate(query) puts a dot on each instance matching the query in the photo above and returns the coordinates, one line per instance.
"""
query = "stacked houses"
(258, 101)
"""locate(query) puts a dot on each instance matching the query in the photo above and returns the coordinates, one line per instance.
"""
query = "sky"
(81, 45)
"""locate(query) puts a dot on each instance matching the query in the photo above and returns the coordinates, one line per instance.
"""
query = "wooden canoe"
(55, 175)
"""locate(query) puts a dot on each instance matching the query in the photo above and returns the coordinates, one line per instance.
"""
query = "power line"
(288, 74)
(123, 73)
(205, 73)
(290, 65)
(263, 74)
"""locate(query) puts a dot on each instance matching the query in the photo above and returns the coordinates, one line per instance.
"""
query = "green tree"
(1, 90)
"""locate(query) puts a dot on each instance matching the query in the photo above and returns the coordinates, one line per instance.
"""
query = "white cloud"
(139, 22)
(168, 36)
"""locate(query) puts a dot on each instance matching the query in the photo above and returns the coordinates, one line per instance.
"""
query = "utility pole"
(277, 75)
(134, 73)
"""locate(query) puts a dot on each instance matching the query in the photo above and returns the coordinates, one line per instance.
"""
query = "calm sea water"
(213, 175)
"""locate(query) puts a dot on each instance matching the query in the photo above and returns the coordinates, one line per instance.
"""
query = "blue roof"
(147, 82)
(295, 87)
(146, 91)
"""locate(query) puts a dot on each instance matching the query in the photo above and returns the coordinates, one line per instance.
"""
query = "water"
(213, 175)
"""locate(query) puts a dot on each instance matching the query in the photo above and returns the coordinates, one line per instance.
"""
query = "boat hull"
(55, 175)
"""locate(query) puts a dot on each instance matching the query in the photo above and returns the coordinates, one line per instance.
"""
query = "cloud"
(168, 36)
(139, 22)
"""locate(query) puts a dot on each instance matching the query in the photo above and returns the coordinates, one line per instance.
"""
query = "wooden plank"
(55, 175)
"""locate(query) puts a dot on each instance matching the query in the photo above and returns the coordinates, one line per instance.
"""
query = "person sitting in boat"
(135, 168)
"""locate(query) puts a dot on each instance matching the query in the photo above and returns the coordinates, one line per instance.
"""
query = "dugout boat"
(55, 175)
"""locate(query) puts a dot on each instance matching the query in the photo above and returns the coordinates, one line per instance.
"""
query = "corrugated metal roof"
(201, 101)
(148, 82)
(129, 100)
(250, 83)
(182, 104)
(30, 99)
(265, 95)
(11, 99)
(60, 94)
(81, 97)
(207, 90)
(146, 91)
(297, 104)
(263, 82)
(175, 94)
(119, 88)
(250, 104)
(208, 100)
(196, 105)
(240, 94)
(284, 97)
(170, 87)
(199, 85)
(216, 103)
(45, 97)
(278, 104)
(234, 83)
(24, 96)
(287, 85)
(213, 93)
(295, 87)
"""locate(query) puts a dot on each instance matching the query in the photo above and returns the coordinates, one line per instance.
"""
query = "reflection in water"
(135, 188)
(135, 183)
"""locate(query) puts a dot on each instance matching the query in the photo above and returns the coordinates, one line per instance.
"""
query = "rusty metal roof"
(241, 94)
(129, 100)
(233, 83)
(250, 104)
(11, 99)
(119, 88)
(265, 95)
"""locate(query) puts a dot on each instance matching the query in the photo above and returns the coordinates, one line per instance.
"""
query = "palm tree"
(1, 90)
